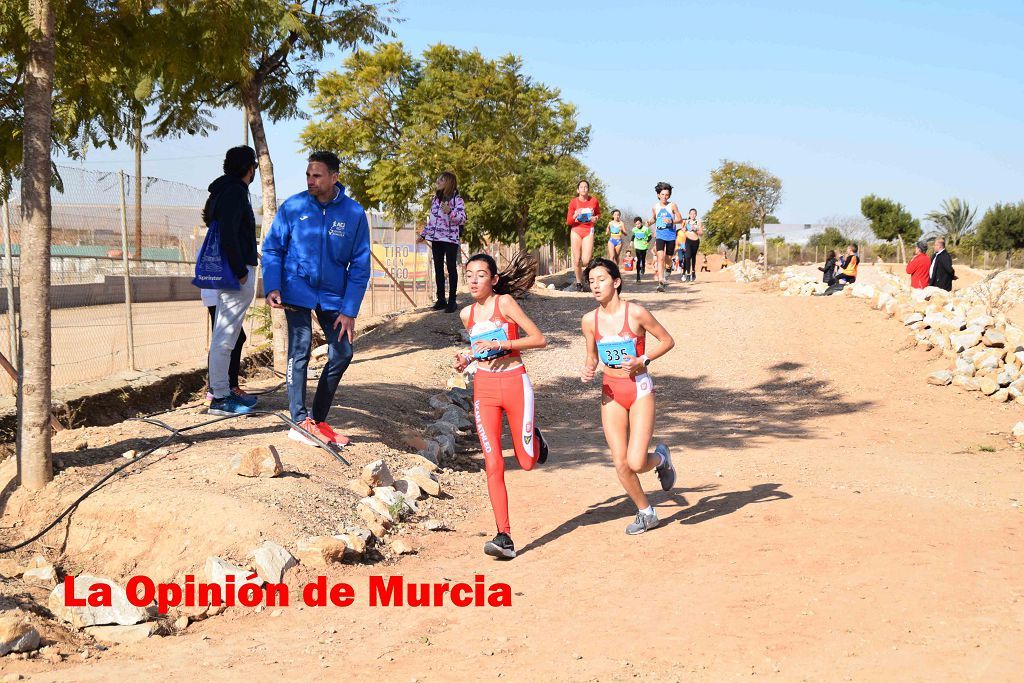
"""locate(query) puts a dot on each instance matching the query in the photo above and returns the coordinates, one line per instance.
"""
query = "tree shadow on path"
(622, 508)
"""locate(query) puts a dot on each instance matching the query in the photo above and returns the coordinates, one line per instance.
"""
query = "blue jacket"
(318, 255)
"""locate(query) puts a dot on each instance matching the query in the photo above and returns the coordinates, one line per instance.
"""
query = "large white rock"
(272, 561)
(123, 634)
(940, 378)
(120, 611)
(377, 474)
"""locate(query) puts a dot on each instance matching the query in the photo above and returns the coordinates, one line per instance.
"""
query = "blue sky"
(917, 101)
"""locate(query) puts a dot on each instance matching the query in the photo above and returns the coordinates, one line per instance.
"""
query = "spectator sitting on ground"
(941, 273)
(848, 266)
(829, 269)
(628, 264)
(919, 266)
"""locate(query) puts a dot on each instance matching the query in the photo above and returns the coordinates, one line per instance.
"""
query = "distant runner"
(616, 334)
(583, 213)
(615, 229)
(692, 231)
(641, 243)
(664, 216)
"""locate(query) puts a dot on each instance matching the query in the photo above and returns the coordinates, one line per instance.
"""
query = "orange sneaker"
(310, 426)
(331, 435)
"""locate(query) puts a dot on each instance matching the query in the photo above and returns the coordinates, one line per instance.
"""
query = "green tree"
(1002, 229)
(749, 185)
(829, 238)
(398, 121)
(953, 221)
(890, 221)
(727, 222)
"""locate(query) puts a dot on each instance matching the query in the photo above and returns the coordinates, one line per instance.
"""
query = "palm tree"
(954, 221)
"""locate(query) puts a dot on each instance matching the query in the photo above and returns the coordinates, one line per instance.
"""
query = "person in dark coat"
(941, 273)
(829, 269)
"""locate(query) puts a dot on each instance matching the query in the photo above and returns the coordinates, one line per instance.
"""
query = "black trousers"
(641, 261)
(236, 353)
(445, 254)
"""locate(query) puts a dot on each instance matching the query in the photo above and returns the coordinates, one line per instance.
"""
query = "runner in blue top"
(665, 217)
(615, 230)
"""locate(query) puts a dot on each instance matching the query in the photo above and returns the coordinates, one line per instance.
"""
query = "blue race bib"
(612, 353)
(584, 217)
(498, 334)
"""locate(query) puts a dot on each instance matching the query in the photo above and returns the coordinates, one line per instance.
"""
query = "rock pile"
(969, 326)
(746, 271)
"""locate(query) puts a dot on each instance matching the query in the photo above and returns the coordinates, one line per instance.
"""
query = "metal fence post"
(127, 276)
(12, 326)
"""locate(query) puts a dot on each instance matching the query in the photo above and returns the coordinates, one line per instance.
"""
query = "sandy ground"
(835, 519)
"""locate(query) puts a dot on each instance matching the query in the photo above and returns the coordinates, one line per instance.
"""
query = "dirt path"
(835, 519)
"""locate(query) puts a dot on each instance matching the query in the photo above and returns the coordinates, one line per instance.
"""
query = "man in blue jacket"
(316, 259)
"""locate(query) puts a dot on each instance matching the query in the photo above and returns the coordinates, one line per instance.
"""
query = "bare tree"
(35, 465)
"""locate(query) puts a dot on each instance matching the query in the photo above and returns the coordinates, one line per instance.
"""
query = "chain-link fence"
(122, 259)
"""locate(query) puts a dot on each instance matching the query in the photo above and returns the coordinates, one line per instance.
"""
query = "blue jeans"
(339, 355)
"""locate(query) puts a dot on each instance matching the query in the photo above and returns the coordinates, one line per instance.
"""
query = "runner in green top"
(641, 241)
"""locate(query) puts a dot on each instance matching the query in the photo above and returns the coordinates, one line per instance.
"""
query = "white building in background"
(793, 233)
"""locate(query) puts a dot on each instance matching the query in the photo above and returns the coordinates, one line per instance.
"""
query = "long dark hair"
(518, 276)
(451, 186)
(611, 266)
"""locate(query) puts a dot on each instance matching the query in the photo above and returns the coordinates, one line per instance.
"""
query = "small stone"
(393, 499)
(320, 551)
(123, 634)
(1018, 431)
(1001, 396)
(446, 442)
(437, 525)
(361, 488)
(982, 321)
(17, 635)
(966, 383)
(400, 547)
(130, 455)
(966, 340)
(964, 367)
(320, 351)
(276, 613)
(940, 378)
(994, 339)
(409, 489)
(261, 461)
(426, 481)
(439, 428)
(181, 623)
(9, 568)
(913, 318)
(377, 474)
(431, 454)
(272, 561)
(420, 461)
(456, 382)
(161, 452)
(377, 528)
(217, 571)
(120, 611)
(373, 508)
(355, 546)
(988, 386)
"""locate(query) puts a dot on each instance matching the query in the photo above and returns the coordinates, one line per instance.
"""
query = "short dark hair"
(663, 186)
(238, 161)
(637, 218)
(614, 211)
(328, 159)
(611, 266)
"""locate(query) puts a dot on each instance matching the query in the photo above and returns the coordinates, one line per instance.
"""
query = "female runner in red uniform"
(616, 334)
(499, 330)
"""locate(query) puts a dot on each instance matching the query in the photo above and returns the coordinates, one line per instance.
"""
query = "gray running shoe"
(666, 472)
(642, 523)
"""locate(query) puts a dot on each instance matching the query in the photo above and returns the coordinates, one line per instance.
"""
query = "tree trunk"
(138, 186)
(521, 222)
(254, 112)
(35, 464)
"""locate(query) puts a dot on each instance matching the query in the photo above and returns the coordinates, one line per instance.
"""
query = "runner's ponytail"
(518, 276)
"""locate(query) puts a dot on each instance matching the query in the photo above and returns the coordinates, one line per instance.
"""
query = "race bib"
(613, 352)
(584, 217)
(664, 218)
(498, 334)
